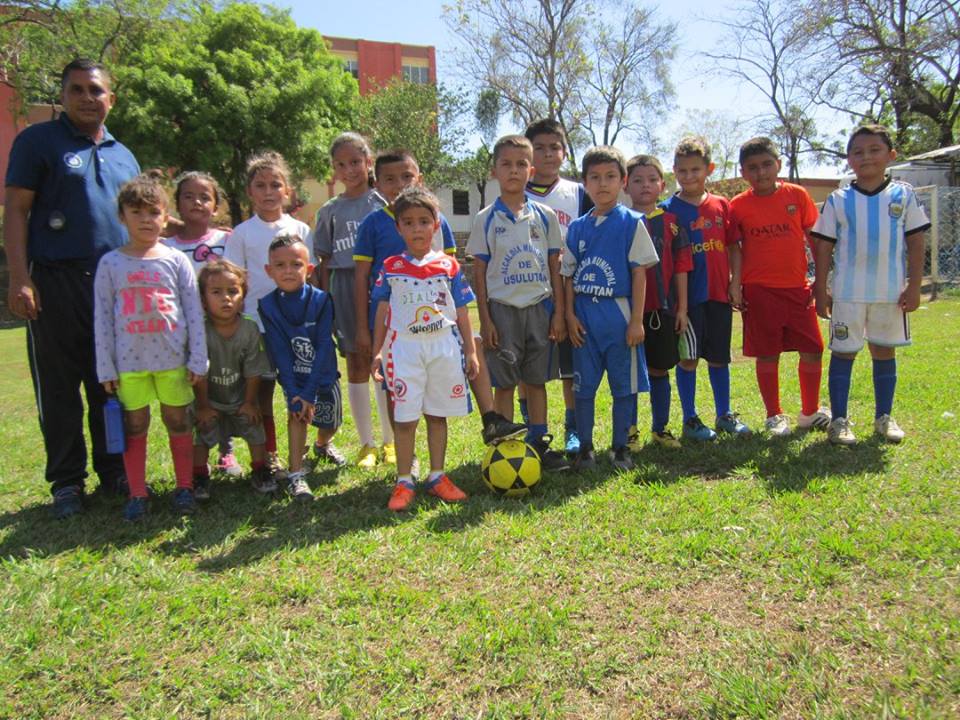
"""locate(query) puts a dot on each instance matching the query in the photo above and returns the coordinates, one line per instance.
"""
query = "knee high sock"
(570, 420)
(838, 382)
(659, 402)
(584, 410)
(720, 383)
(884, 385)
(386, 429)
(768, 380)
(181, 448)
(359, 395)
(687, 390)
(809, 374)
(535, 432)
(270, 434)
(135, 465)
(624, 407)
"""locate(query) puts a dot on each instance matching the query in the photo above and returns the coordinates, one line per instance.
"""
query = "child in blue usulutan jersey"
(608, 251)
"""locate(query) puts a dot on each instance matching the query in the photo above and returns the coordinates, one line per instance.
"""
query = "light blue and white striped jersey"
(869, 231)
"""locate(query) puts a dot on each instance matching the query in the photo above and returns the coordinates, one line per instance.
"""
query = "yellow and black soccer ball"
(511, 468)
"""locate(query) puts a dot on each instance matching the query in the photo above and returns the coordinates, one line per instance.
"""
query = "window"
(352, 67)
(461, 202)
(416, 74)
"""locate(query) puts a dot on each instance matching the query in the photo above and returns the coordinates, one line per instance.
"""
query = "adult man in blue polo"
(60, 218)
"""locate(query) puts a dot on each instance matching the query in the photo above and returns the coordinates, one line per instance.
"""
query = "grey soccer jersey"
(335, 231)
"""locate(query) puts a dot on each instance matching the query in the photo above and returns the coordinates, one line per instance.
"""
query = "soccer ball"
(511, 468)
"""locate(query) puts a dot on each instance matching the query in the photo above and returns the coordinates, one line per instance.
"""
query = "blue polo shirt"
(76, 181)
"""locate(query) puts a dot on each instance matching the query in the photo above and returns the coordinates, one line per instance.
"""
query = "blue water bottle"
(113, 422)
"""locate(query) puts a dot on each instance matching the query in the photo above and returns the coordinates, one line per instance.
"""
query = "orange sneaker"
(444, 489)
(401, 499)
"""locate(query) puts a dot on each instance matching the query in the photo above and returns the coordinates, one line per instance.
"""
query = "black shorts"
(565, 356)
(709, 330)
(660, 340)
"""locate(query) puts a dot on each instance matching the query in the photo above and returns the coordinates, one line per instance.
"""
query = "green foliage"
(230, 84)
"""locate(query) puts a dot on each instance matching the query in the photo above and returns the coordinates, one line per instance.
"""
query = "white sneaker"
(819, 420)
(839, 432)
(888, 429)
(777, 425)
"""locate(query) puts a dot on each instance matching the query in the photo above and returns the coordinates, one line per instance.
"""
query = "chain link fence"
(942, 263)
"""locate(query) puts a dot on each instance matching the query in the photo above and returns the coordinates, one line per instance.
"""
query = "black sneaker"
(67, 501)
(330, 454)
(262, 481)
(114, 488)
(620, 457)
(201, 487)
(550, 460)
(298, 488)
(500, 429)
(586, 459)
(184, 502)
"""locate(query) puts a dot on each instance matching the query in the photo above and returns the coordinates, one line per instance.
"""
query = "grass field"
(754, 579)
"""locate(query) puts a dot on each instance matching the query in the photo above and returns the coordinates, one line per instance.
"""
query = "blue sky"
(420, 22)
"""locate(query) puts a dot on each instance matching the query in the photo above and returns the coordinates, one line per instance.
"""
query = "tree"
(475, 169)
(725, 134)
(231, 84)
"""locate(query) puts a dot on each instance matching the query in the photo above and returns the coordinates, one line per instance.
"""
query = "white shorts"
(426, 377)
(852, 324)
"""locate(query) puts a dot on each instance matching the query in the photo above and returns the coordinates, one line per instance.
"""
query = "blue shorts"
(328, 408)
(605, 349)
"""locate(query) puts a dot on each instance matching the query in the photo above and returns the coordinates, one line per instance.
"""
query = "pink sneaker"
(228, 465)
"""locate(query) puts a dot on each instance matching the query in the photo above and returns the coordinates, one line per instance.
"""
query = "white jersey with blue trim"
(564, 197)
(869, 231)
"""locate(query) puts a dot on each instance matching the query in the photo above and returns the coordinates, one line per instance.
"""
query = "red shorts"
(777, 320)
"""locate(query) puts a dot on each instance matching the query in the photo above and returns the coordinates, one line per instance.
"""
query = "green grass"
(746, 579)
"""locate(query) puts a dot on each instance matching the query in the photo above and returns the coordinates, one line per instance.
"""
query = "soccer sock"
(720, 383)
(181, 448)
(687, 390)
(257, 464)
(584, 410)
(535, 433)
(624, 408)
(406, 481)
(201, 471)
(633, 413)
(270, 434)
(135, 465)
(768, 380)
(838, 382)
(386, 429)
(659, 402)
(523, 411)
(570, 420)
(809, 374)
(884, 385)
(359, 395)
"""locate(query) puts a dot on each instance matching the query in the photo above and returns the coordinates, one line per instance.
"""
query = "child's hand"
(306, 412)
(488, 333)
(110, 386)
(823, 302)
(251, 412)
(364, 343)
(194, 378)
(635, 332)
(680, 323)
(376, 368)
(206, 416)
(575, 331)
(473, 365)
(558, 328)
(735, 294)
(910, 298)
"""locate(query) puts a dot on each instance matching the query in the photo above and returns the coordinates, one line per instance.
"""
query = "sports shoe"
(571, 442)
(262, 481)
(586, 459)
(67, 501)
(135, 509)
(633, 440)
(777, 425)
(184, 501)
(444, 489)
(620, 457)
(550, 460)
(389, 453)
(329, 453)
(367, 457)
(839, 432)
(278, 471)
(500, 429)
(297, 486)
(694, 429)
(401, 498)
(887, 428)
(732, 425)
(664, 438)
(201, 487)
(228, 464)
(819, 420)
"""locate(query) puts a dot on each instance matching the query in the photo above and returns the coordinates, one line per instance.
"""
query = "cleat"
(67, 501)
(633, 440)
(228, 465)
(297, 486)
(367, 457)
(571, 442)
(694, 429)
(500, 429)
(620, 457)
(731, 424)
(444, 489)
(330, 454)
(777, 425)
(665, 438)
(839, 432)
(550, 460)
(184, 502)
(389, 451)
(135, 509)
(277, 469)
(201, 487)
(586, 459)
(887, 428)
(819, 420)
(401, 498)
(262, 481)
